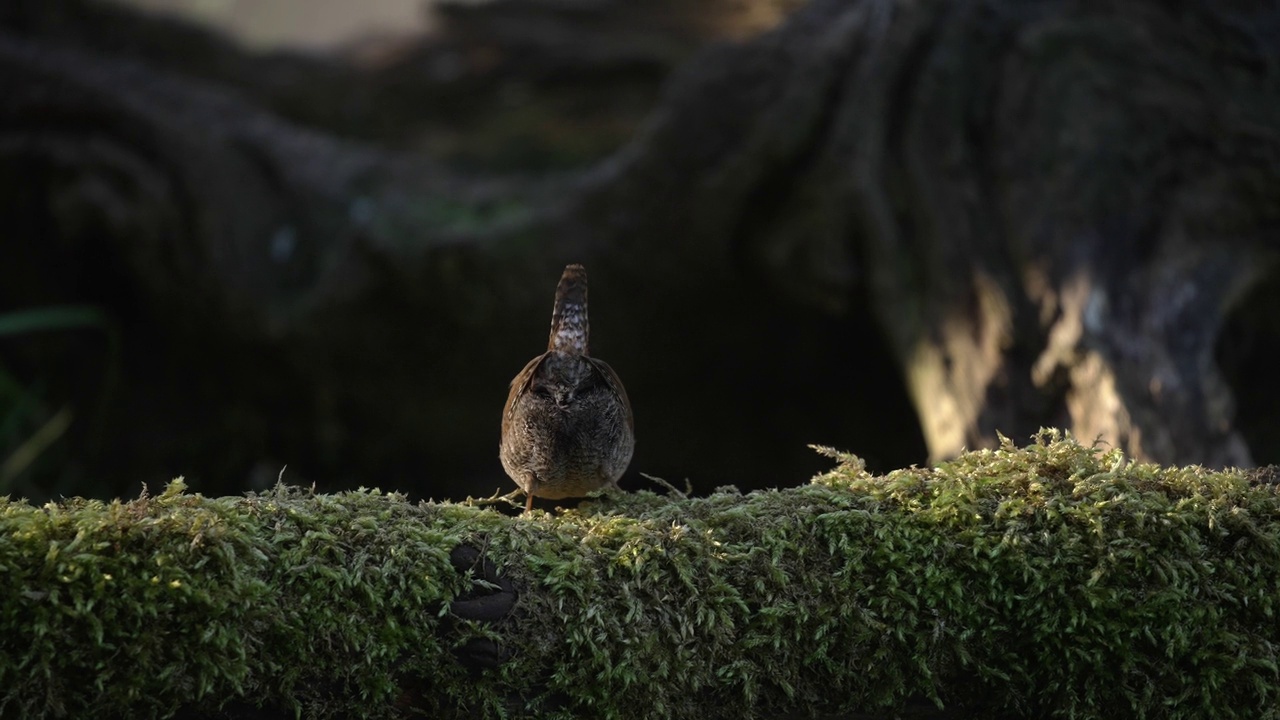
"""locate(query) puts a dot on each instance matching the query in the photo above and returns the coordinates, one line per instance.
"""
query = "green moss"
(137, 608)
(1051, 580)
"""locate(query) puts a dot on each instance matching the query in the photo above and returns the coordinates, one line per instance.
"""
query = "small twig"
(495, 499)
(682, 495)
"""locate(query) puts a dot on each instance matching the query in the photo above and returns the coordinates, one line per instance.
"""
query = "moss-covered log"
(1054, 580)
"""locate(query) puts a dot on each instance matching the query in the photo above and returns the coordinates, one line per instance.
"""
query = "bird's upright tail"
(569, 325)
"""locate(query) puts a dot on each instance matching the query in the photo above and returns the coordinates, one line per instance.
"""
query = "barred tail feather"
(569, 324)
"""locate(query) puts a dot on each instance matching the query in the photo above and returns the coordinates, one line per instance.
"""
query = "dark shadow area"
(732, 390)
(1247, 351)
(773, 378)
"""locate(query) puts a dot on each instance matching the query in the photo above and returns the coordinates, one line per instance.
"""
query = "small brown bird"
(567, 428)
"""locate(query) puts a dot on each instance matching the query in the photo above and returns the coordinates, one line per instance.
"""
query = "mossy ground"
(1051, 580)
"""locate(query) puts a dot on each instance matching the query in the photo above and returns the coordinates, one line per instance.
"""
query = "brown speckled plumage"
(567, 427)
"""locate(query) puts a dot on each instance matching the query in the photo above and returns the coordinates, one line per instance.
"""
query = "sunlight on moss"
(1050, 580)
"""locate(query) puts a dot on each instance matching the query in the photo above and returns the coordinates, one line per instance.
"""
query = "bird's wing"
(610, 378)
(520, 384)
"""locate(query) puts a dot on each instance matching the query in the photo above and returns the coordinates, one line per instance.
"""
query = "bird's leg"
(528, 502)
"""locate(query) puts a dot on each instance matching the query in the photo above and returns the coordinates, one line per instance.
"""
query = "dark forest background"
(894, 228)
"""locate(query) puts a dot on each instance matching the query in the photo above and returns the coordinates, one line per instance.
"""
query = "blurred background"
(245, 234)
(101, 395)
(318, 26)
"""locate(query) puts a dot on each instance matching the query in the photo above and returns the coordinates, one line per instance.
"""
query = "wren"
(567, 428)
